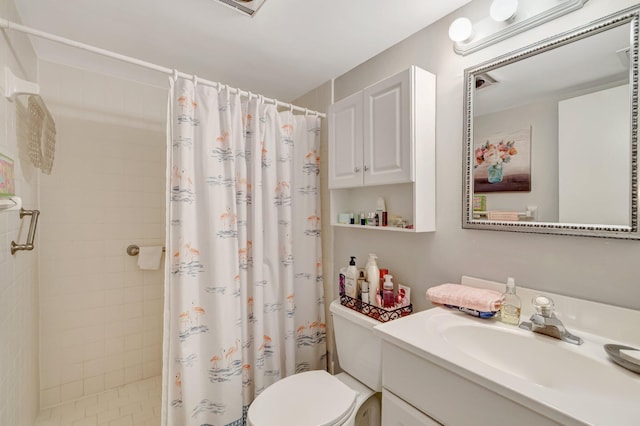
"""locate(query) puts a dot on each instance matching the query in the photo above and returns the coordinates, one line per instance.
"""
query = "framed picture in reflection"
(502, 162)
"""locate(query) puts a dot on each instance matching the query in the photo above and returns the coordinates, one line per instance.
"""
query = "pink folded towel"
(480, 299)
(500, 215)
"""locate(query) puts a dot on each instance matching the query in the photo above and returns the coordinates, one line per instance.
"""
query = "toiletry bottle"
(373, 277)
(387, 292)
(510, 308)
(365, 292)
(351, 279)
(382, 212)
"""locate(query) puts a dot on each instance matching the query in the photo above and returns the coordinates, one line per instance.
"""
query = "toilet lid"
(310, 398)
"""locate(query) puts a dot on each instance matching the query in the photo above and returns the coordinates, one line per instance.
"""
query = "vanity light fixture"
(506, 18)
(461, 30)
(503, 10)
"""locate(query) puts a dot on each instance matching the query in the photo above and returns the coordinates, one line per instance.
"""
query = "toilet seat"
(310, 398)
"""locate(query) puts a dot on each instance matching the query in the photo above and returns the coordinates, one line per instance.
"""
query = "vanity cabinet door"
(345, 142)
(387, 130)
(396, 412)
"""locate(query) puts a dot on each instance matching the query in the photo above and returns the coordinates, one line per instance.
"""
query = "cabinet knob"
(356, 170)
(366, 168)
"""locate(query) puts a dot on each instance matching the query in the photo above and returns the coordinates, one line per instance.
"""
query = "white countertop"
(568, 383)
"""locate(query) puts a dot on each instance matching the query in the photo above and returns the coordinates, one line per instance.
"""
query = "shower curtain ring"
(175, 75)
(291, 108)
(249, 95)
(306, 112)
(275, 103)
(195, 80)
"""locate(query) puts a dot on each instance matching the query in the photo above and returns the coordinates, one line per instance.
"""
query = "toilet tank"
(359, 349)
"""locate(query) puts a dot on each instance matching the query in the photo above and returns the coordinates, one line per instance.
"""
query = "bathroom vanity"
(444, 367)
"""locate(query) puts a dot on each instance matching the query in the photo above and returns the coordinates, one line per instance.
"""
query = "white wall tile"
(92, 293)
(19, 316)
(71, 391)
(133, 373)
(94, 384)
(114, 379)
(50, 397)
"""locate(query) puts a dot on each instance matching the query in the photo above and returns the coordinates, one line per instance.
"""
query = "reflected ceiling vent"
(246, 7)
(484, 80)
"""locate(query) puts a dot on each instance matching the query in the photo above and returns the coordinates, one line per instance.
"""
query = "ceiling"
(288, 48)
(580, 67)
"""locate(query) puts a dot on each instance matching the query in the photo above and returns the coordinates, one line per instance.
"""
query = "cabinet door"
(396, 412)
(387, 132)
(345, 142)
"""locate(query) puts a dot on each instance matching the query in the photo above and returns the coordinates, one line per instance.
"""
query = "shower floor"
(134, 404)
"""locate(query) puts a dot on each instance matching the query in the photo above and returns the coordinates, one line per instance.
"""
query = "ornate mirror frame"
(628, 16)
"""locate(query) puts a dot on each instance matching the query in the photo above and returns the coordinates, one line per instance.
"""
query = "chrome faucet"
(544, 321)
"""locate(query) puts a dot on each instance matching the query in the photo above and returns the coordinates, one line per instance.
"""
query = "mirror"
(551, 135)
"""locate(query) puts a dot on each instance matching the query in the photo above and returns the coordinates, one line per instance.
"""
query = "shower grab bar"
(32, 231)
(134, 250)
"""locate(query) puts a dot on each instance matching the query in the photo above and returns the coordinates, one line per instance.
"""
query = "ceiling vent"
(484, 80)
(246, 7)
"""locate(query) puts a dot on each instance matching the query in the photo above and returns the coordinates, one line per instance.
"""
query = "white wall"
(101, 317)
(590, 140)
(591, 268)
(18, 273)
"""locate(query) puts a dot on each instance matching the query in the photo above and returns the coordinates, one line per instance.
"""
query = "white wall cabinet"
(346, 127)
(382, 143)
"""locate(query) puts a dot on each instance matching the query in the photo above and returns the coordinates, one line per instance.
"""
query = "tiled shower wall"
(18, 273)
(101, 316)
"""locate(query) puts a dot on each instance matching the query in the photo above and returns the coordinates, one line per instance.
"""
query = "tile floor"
(134, 404)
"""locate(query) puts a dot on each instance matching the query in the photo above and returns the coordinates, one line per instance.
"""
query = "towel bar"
(134, 249)
(32, 231)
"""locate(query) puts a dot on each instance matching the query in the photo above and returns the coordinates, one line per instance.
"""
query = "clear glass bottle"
(511, 304)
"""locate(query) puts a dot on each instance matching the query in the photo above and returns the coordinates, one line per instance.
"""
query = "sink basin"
(539, 359)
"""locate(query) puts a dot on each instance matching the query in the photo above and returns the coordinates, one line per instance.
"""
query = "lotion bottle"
(511, 305)
(365, 292)
(373, 277)
(388, 299)
(351, 279)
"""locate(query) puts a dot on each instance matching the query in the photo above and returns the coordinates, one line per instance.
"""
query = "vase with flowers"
(494, 156)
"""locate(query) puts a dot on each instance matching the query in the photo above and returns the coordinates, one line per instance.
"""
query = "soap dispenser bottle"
(351, 279)
(388, 300)
(510, 307)
(373, 277)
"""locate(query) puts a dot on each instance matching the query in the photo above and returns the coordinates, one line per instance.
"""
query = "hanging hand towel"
(149, 257)
(480, 299)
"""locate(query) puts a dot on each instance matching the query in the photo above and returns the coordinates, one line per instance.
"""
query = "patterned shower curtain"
(244, 296)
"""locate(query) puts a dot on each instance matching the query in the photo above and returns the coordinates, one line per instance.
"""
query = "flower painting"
(502, 162)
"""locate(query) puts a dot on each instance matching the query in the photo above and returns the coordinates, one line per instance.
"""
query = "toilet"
(317, 397)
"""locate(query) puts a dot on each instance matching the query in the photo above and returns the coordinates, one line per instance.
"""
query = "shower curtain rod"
(4, 23)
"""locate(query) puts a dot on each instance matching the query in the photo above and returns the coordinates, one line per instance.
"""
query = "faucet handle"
(544, 305)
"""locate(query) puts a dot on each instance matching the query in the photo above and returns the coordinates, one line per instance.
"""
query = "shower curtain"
(244, 294)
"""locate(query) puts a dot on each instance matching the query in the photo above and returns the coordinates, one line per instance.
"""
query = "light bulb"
(503, 10)
(460, 30)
